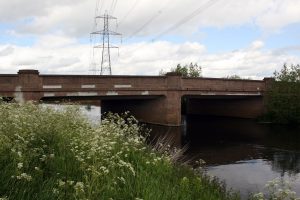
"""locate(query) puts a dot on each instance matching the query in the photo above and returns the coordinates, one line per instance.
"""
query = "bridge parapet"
(230, 85)
(104, 82)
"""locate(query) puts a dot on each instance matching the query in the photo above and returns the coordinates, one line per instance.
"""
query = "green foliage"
(288, 73)
(48, 154)
(284, 96)
(233, 77)
(192, 70)
(284, 103)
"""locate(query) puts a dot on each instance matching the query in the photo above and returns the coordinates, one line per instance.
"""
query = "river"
(242, 152)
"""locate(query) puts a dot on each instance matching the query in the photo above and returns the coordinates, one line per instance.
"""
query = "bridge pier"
(29, 86)
(163, 110)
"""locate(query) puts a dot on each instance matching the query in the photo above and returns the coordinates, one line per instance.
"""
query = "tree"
(233, 77)
(192, 70)
(284, 96)
(288, 73)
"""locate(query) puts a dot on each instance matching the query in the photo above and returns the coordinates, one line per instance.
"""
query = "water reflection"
(93, 113)
(251, 175)
(244, 153)
(286, 162)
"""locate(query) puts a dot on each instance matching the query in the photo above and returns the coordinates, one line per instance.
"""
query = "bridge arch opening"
(239, 106)
(7, 99)
(210, 119)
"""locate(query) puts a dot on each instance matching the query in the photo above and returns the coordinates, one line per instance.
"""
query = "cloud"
(18, 10)
(286, 50)
(279, 14)
(257, 45)
(75, 18)
(6, 51)
(50, 54)
(54, 41)
(146, 59)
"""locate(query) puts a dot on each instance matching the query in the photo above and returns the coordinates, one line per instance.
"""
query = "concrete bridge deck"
(154, 99)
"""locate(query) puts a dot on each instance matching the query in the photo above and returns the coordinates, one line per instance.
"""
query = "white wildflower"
(61, 183)
(24, 176)
(20, 165)
(43, 158)
(70, 182)
(79, 187)
(55, 191)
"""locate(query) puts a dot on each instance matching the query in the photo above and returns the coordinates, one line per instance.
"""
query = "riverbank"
(48, 154)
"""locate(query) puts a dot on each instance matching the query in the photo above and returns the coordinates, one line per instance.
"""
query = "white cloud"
(279, 14)
(54, 41)
(6, 51)
(76, 17)
(50, 54)
(257, 45)
(147, 59)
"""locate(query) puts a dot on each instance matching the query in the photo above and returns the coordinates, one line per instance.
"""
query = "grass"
(48, 154)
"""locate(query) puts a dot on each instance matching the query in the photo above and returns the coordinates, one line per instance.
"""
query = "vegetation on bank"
(283, 98)
(277, 189)
(48, 154)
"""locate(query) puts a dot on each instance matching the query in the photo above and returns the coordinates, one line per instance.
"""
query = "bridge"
(152, 99)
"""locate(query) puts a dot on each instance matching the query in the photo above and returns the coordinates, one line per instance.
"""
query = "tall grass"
(48, 154)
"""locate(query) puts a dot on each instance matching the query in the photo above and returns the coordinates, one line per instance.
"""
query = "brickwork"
(155, 99)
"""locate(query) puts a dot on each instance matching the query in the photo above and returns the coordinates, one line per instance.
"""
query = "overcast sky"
(249, 38)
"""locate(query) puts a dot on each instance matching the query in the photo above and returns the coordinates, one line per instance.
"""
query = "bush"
(283, 98)
(284, 103)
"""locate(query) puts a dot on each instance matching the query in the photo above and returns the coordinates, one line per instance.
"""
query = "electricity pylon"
(105, 43)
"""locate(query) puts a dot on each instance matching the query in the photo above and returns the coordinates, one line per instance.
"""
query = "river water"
(243, 153)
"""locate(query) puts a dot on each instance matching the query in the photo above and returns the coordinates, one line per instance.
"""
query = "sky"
(248, 38)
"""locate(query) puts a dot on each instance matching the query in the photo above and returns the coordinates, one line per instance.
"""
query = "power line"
(143, 26)
(97, 12)
(129, 11)
(114, 7)
(182, 21)
(187, 18)
(101, 6)
(159, 12)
